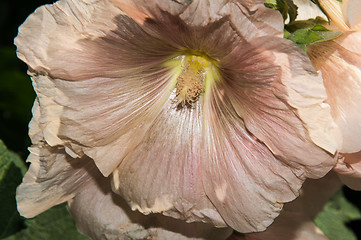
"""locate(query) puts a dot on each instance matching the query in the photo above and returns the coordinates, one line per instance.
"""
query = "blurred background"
(16, 99)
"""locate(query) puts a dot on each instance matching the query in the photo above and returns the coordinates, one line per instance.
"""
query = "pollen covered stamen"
(193, 73)
(190, 83)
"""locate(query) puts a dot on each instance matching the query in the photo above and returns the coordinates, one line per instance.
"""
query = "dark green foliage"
(336, 215)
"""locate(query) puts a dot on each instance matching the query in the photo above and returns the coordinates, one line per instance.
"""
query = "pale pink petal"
(258, 151)
(296, 219)
(252, 15)
(163, 174)
(349, 169)
(252, 19)
(243, 179)
(59, 27)
(53, 178)
(340, 63)
(281, 100)
(69, 67)
(101, 214)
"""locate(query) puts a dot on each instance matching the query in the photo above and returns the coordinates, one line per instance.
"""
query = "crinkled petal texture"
(102, 214)
(296, 219)
(340, 63)
(106, 93)
(53, 177)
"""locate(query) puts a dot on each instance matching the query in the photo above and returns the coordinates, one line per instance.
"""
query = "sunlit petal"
(333, 9)
(340, 64)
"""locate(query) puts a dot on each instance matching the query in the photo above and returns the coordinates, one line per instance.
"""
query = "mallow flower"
(339, 60)
(195, 110)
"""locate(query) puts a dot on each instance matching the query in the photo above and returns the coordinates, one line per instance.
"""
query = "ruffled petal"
(200, 13)
(349, 169)
(54, 175)
(52, 29)
(69, 67)
(75, 48)
(101, 214)
(163, 174)
(281, 100)
(53, 178)
(242, 178)
(258, 151)
(296, 219)
(252, 19)
(340, 64)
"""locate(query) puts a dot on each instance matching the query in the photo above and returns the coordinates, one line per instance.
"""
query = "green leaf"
(12, 169)
(308, 32)
(319, 27)
(334, 217)
(292, 10)
(305, 36)
(54, 224)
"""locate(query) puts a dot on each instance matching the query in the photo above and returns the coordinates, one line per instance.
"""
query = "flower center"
(193, 73)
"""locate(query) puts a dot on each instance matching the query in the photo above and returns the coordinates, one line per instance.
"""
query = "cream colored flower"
(339, 61)
(198, 110)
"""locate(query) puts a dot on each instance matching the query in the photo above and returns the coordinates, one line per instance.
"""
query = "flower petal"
(349, 169)
(252, 19)
(52, 29)
(340, 64)
(281, 100)
(333, 9)
(53, 178)
(163, 174)
(296, 219)
(100, 214)
(258, 149)
(351, 10)
(243, 179)
(69, 67)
